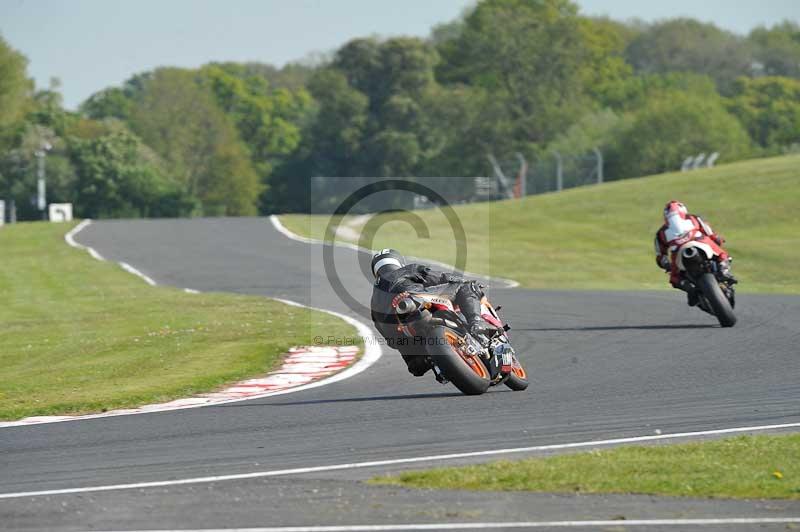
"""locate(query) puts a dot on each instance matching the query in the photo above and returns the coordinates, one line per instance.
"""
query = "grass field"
(601, 237)
(78, 335)
(752, 467)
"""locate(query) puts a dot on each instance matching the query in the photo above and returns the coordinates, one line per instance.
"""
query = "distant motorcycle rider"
(678, 222)
(394, 276)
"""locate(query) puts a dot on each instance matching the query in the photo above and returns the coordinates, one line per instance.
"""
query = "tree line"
(528, 76)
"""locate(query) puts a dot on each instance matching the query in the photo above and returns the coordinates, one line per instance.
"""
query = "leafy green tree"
(632, 93)
(400, 153)
(337, 134)
(15, 87)
(114, 180)
(200, 146)
(267, 120)
(230, 186)
(623, 32)
(769, 108)
(600, 130)
(113, 102)
(405, 68)
(672, 126)
(403, 133)
(292, 76)
(359, 62)
(47, 110)
(605, 70)
(686, 45)
(372, 117)
(539, 58)
(777, 49)
(463, 130)
(221, 129)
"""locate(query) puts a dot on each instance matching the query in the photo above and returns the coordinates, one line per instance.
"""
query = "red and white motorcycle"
(706, 265)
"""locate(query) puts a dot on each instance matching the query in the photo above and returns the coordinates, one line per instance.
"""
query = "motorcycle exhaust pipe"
(689, 253)
(406, 306)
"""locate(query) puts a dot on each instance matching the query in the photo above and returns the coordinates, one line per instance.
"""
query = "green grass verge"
(763, 467)
(601, 237)
(78, 335)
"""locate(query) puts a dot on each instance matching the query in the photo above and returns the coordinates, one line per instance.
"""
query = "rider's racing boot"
(691, 292)
(725, 270)
(470, 306)
(692, 298)
(482, 327)
(417, 364)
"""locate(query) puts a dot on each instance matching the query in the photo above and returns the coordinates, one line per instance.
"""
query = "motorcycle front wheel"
(518, 378)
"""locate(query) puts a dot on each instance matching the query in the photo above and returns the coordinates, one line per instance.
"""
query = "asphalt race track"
(604, 366)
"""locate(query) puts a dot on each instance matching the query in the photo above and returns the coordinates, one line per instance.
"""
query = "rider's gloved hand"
(452, 278)
(665, 264)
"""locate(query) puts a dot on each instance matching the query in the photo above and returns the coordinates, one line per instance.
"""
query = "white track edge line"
(397, 461)
(130, 269)
(276, 223)
(70, 239)
(371, 352)
(515, 524)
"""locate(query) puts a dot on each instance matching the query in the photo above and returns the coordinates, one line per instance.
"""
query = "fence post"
(501, 178)
(523, 175)
(599, 155)
(559, 172)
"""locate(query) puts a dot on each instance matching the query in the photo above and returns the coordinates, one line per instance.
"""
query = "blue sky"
(92, 44)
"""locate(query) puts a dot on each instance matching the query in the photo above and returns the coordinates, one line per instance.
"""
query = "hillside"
(601, 237)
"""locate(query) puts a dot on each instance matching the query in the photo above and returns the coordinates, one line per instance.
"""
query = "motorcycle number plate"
(506, 361)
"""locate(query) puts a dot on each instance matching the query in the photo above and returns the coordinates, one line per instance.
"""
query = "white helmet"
(387, 260)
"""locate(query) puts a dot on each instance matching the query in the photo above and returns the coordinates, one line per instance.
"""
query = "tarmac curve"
(604, 365)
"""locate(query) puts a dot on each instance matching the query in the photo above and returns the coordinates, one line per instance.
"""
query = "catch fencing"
(515, 177)
(510, 177)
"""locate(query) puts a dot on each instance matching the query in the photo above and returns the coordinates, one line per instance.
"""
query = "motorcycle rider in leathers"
(394, 276)
(678, 221)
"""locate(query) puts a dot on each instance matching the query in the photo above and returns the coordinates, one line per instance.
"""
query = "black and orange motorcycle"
(472, 364)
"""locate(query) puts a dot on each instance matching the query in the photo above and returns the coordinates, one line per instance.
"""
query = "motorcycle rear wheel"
(466, 372)
(719, 303)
